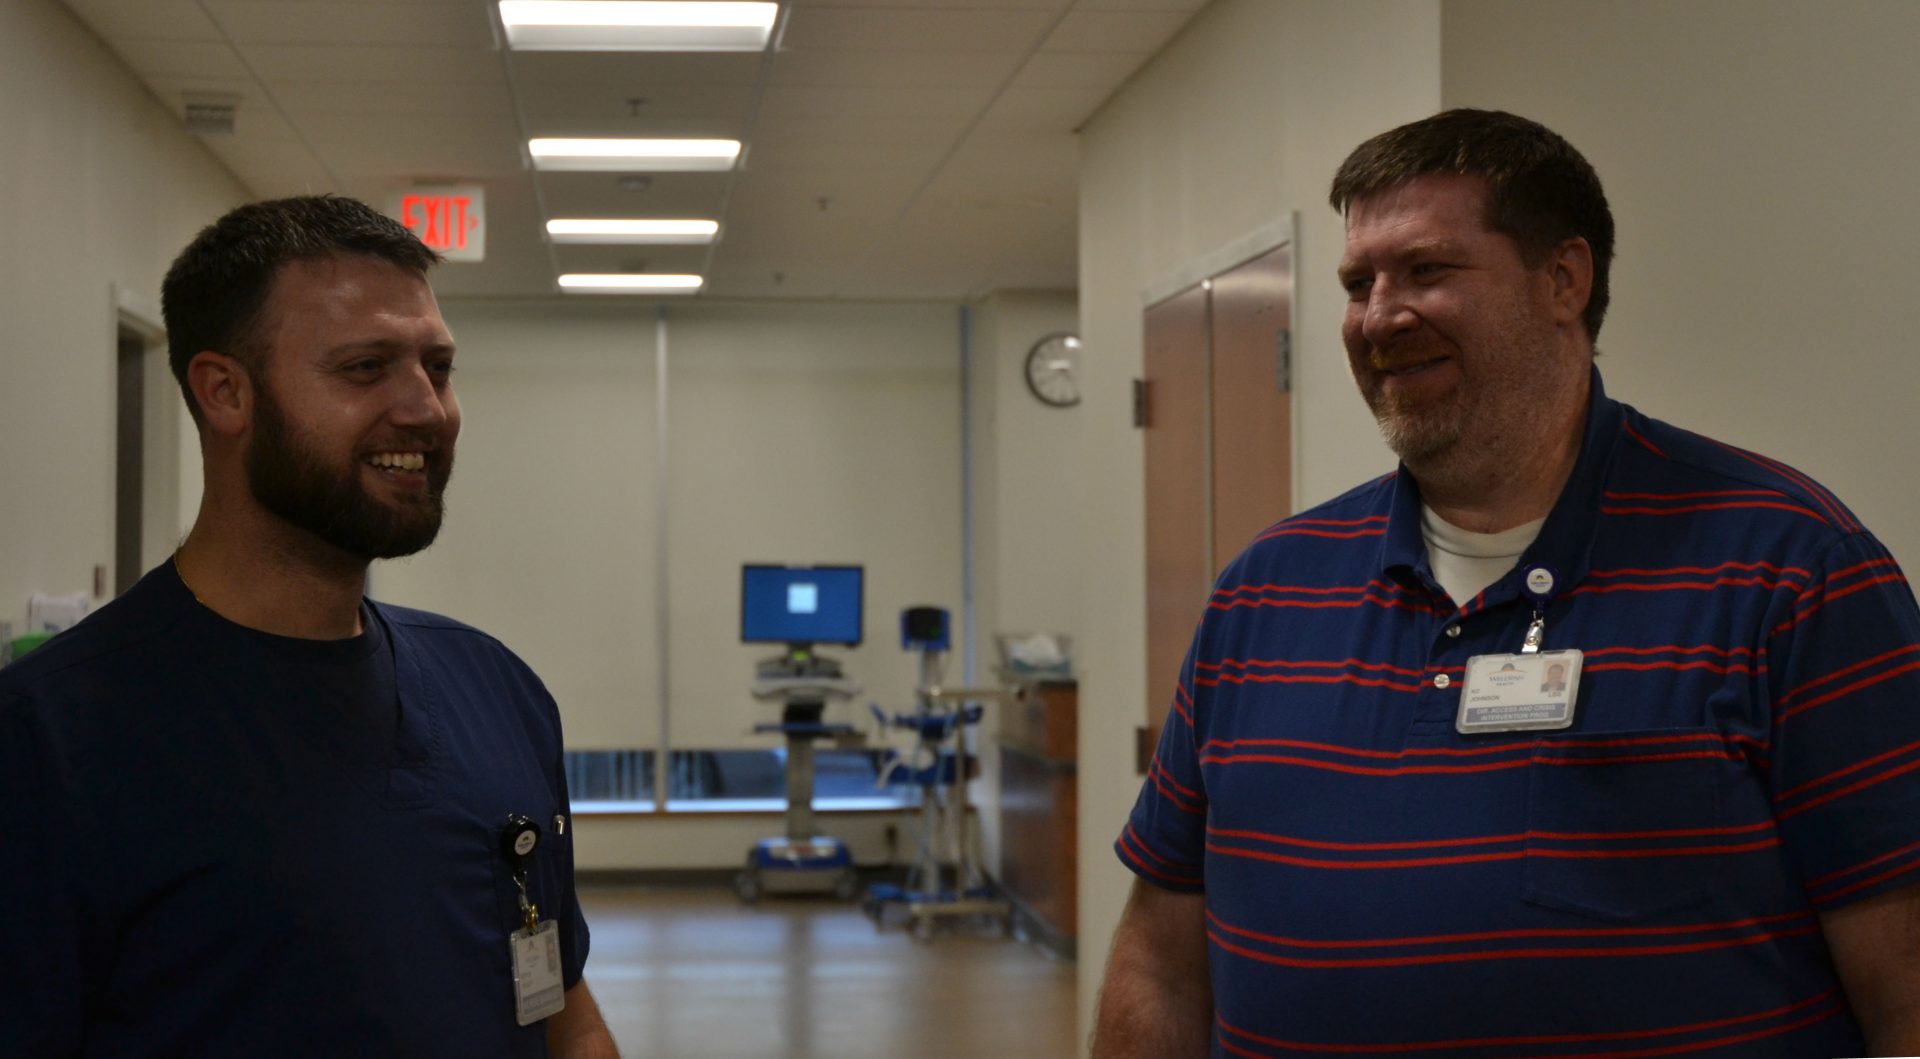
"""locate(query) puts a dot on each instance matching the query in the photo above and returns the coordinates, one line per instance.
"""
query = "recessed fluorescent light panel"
(631, 155)
(629, 283)
(637, 25)
(571, 230)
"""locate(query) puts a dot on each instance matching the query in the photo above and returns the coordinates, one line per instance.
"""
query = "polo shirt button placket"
(1433, 721)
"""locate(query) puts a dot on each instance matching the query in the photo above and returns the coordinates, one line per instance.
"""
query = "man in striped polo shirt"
(1379, 822)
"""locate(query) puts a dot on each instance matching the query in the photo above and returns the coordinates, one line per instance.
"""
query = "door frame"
(162, 419)
(1281, 231)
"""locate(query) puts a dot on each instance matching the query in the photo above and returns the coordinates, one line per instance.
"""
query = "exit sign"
(451, 219)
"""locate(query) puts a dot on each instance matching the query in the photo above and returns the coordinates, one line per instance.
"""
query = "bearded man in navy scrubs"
(1373, 827)
(255, 813)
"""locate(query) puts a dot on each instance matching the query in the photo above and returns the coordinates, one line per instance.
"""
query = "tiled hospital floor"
(689, 973)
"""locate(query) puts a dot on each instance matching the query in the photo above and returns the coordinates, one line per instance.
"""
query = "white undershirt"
(1464, 562)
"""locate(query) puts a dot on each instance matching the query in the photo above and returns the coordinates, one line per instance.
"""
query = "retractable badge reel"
(539, 988)
(1531, 691)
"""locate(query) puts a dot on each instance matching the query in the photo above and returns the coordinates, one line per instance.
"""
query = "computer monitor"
(800, 604)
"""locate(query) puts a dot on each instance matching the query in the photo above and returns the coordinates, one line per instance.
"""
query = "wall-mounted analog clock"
(1053, 369)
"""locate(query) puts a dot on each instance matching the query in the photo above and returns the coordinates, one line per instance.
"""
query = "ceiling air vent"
(210, 113)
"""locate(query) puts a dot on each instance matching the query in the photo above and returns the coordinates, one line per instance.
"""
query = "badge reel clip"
(539, 988)
(1532, 691)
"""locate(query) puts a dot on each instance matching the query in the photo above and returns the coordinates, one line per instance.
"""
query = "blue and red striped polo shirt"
(1745, 754)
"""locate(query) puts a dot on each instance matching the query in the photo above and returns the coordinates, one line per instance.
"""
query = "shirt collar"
(1565, 543)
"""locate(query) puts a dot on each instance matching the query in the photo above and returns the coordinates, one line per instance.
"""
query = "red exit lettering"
(441, 221)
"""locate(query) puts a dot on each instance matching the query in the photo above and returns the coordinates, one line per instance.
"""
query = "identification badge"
(538, 986)
(1519, 693)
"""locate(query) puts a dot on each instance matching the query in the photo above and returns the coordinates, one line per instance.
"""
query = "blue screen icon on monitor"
(803, 599)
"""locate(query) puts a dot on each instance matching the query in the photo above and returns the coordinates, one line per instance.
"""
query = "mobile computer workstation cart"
(800, 607)
(946, 883)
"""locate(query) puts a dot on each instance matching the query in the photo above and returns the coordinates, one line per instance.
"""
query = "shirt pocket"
(550, 882)
(548, 873)
(1627, 826)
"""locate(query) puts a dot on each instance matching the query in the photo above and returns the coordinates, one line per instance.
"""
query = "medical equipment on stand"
(946, 881)
(801, 606)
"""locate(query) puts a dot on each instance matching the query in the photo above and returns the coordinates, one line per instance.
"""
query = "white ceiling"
(894, 148)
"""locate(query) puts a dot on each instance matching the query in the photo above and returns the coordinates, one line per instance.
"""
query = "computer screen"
(800, 604)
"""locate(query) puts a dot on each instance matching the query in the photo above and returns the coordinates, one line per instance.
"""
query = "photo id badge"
(538, 990)
(1519, 693)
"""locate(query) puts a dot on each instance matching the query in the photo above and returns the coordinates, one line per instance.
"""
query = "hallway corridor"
(692, 974)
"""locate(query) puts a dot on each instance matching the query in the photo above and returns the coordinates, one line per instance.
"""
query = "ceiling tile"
(253, 124)
(967, 227)
(320, 22)
(361, 3)
(1055, 6)
(178, 20)
(168, 58)
(555, 104)
(399, 145)
(272, 168)
(785, 102)
(862, 131)
(775, 228)
(1013, 197)
(516, 267)
(846, 244)
(861, 108)
(723, 126)
(917, 29)
(1123, 31)
(872, 70)
(171, 90)
(777, 157)
(374, 64)
(950, 248)
(1140, 5)
(359, 97)
(758, 196)
(779, 277)
(1078, 70)
(581, 258)
(907, 279)
(1053, 110)
(601, 195)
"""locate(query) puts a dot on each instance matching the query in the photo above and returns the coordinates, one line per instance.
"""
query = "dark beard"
(291, 481)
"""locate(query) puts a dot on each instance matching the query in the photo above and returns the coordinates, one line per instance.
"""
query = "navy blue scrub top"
(228, 843)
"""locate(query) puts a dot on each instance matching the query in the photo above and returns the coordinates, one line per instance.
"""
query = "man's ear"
(1571, 269)
(224, 391)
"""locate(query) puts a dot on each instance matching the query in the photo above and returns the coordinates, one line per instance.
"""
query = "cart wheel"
(847, 886)
(747, 885)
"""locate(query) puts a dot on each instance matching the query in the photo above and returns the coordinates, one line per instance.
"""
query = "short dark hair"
(215, 291)
(1541, 191)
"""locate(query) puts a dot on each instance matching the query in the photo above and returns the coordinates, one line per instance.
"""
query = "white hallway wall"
(1758, 155)
(1764, 249)
(99, 188)
(1026, 559)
